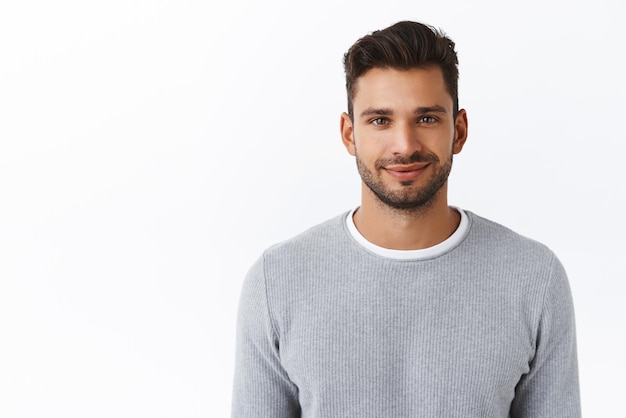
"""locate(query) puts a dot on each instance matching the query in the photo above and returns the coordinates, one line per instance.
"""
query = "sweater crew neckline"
(436, 250)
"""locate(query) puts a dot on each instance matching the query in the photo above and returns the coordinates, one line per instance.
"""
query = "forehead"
(390, 87)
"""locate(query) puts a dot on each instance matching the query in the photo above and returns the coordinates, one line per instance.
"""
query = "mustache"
(404, 160)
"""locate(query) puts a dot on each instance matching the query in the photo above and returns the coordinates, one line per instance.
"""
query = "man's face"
(403, 135)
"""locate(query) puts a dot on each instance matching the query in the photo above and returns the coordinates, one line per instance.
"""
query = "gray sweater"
(328, 328)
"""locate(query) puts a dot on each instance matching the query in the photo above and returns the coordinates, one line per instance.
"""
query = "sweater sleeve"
(261, 386)
(551, 389)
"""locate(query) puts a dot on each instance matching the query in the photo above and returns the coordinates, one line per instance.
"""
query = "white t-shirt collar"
(430, 252)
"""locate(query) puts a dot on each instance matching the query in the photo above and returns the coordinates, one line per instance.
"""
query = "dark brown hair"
(403, 46)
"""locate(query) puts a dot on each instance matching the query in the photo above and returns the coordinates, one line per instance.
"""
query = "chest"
(412, 341)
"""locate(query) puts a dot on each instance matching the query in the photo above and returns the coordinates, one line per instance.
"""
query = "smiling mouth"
(406, 167)
(406, 171)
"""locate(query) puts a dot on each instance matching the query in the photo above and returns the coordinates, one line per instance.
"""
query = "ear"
(460, 131)
(347, 133)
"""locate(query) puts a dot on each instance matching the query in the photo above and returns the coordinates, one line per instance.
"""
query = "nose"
(405, 139)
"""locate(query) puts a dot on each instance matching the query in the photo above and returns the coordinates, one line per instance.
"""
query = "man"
(405, 306)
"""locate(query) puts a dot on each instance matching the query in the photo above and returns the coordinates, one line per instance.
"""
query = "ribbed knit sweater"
(329, 328)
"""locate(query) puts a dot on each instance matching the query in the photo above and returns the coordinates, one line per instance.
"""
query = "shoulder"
(309, 241)
(284, 261)
(291, 268)
(532, 272)
(502, 240)
(314, 240)
(529, 265)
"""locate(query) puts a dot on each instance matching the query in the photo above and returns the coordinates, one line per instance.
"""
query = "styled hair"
(403, 46)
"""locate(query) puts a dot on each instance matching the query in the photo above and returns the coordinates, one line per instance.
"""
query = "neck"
(400, 229)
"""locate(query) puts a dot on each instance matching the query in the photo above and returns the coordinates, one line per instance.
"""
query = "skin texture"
(403, 135)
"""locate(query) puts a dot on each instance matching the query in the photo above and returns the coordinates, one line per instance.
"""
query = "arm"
(261, 386)
(550, 389)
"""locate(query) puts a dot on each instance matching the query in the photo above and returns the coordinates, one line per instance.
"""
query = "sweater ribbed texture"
(327, 328)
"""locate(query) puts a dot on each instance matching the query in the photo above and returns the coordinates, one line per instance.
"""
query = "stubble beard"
(408, 200)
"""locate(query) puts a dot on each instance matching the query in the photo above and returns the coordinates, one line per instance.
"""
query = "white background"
(150, 150)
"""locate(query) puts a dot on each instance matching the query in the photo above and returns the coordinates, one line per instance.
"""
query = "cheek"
(366, 154)
(370, 146)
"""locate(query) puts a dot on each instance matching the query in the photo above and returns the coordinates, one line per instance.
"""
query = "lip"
(406, 171)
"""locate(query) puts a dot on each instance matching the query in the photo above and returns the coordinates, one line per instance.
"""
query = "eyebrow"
(385, 111)
(371, 111)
